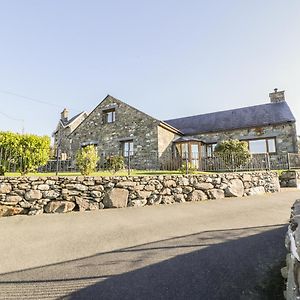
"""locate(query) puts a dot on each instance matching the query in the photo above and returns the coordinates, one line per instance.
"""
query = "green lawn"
(107, 173)
(119, 173)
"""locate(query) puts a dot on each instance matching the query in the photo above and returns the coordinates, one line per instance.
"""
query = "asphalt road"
(220, 249)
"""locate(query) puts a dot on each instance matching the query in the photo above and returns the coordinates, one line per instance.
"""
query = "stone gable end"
(129, 124)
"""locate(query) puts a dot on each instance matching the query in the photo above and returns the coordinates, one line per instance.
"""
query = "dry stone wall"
(291, 272)
(37, 195)
(290, 179)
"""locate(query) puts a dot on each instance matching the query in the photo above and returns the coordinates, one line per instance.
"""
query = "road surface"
(217, 249)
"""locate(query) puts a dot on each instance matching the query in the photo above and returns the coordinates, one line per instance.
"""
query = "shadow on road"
(222, 264)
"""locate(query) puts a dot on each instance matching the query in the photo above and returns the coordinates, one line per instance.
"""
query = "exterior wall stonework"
(129, 124)
(62, 133)
(290, 179)
(153, 140)
(284, 134)
(37, 195)
(290, 272)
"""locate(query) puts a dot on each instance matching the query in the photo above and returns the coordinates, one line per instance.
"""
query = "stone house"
(63, 130)
(115, 128)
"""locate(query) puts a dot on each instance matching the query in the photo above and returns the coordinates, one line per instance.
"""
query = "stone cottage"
(115, 127)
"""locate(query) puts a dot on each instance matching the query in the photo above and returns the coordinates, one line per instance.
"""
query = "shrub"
(234, 153)
(34, 152)
(189, 167)
(86, 160)
(114, 163)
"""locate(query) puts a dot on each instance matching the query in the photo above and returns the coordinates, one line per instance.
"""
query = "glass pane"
(208, 150)
(203, 151)
(125, 149)
(195, 151)
(131, 148)
(258, 146)
(110, 117)
(195, 163)
(128, 148)
(185, 151)
(272, 145)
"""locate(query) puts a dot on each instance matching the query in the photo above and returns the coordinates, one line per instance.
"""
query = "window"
(210, 148)
(195, 155)
(258, 146)
(185, 150)
(262, 146)
(127, 148)
(271, 145)
(109, 116)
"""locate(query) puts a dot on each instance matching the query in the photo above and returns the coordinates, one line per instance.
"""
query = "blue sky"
(167, 58)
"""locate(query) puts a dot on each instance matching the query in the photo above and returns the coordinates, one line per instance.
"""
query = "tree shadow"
(221, 264)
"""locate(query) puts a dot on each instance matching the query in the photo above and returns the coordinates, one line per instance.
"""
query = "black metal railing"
(9, 162)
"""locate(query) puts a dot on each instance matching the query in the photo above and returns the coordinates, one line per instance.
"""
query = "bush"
(234, 153)
(34, 152)
(26, 152)
(190, 168)
(114, 163)
(86, 160)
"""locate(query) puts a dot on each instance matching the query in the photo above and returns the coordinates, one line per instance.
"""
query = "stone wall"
(62, 133)
(290, 179)
(130, 124)
(291, 272)
(37, 195)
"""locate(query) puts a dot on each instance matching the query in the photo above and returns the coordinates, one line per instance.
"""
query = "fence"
(255, 162)
(168, 162)
(209, 164)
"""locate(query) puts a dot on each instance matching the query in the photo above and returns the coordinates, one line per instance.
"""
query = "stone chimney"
(64, 115)
(277, 96)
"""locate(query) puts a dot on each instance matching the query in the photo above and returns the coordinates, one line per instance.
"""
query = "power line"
(31, 99)
(39, 101)
(10, 117)
(14, 119)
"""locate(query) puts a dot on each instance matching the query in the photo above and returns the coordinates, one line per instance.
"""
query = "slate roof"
(71, 120)
(246, 117)
(187, 139)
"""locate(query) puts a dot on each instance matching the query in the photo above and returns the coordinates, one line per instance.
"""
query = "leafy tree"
(86, 160)
(234, 153)
(115, 163)
(8, 150)
(33, 151)
(24, 151)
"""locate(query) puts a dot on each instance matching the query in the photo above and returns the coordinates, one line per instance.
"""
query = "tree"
(86, 160)
(8, 150)
(234, 153)
(34, 151)
(26, 152)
